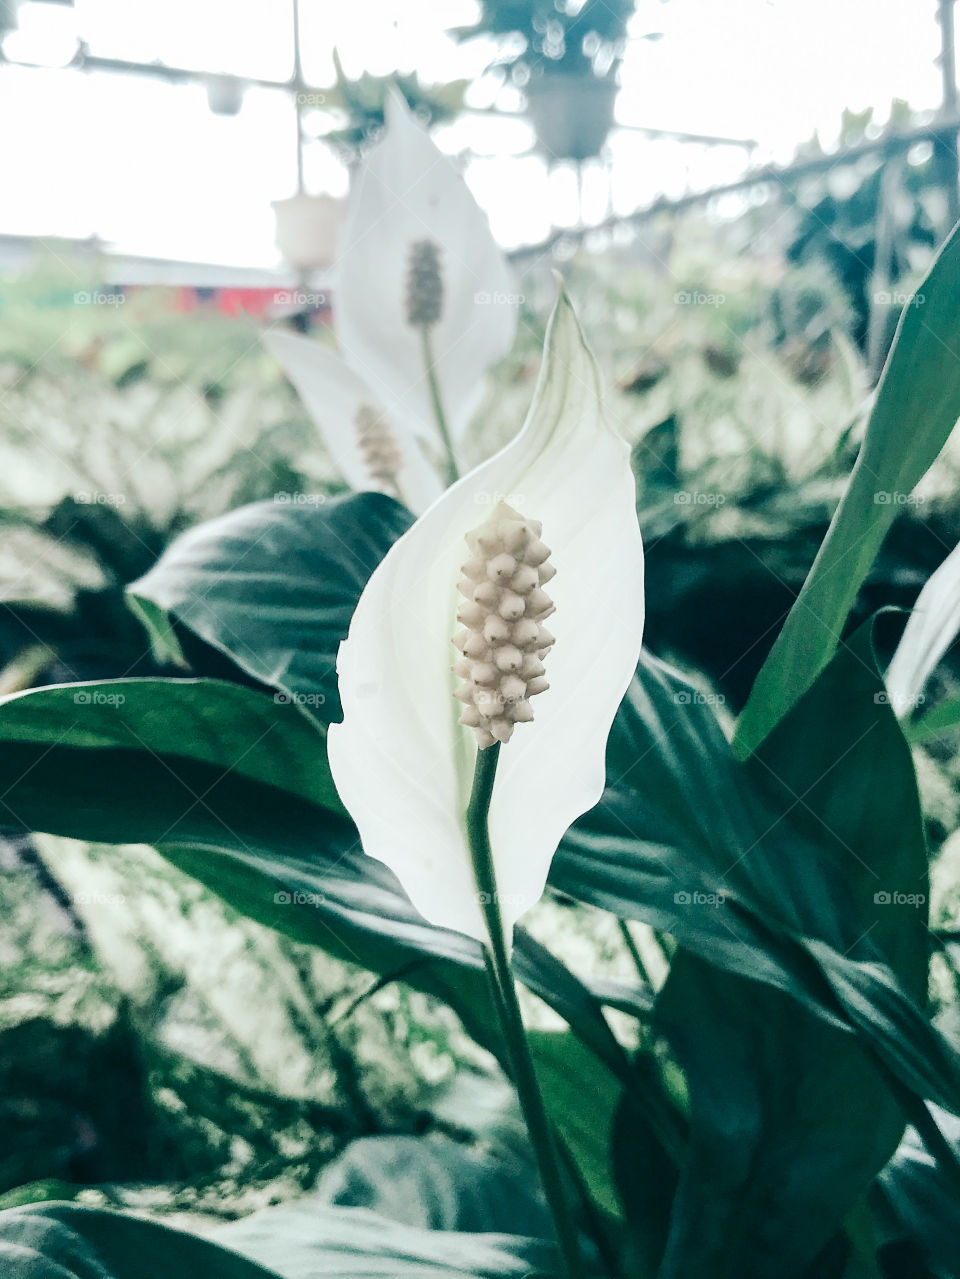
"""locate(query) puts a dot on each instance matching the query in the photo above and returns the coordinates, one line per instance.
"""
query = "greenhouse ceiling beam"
(890, 143)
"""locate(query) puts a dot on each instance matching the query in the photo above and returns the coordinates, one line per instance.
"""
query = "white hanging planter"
(308, 228)
(572, 113)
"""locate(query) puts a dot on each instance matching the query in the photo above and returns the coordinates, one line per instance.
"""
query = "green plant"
(575, 39)
(737, 1106)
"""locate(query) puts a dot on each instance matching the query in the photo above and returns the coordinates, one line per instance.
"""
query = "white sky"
(149, 167)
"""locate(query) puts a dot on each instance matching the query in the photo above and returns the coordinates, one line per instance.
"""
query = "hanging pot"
(571, 112)
(307, 229)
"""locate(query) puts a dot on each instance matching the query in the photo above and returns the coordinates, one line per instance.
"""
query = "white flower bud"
(503, 640)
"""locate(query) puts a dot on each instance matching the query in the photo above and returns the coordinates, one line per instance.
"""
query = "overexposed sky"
(148, 167)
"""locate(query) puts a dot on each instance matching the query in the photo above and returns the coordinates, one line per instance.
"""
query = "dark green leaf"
(763, 878)
(295, 1241)
(64, 1241)
(922, 1210)
(581, 1097)
(916, 407)
(306, 1239)
(790, 1122)
(434, 1183)
(235, 790)
(273, 586)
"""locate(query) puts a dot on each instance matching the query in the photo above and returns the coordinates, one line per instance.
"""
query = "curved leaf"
(916, 407)
(273, 586)
(308, 1240)
(234, 788)
(781, 883)
(65, 1241)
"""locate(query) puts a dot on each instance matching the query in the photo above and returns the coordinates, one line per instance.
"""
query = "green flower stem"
(508, 1010)
(436, 400)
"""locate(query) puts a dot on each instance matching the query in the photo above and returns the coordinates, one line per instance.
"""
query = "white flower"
(401, 761)
(342, 404)
(414, 234)
(931, 628)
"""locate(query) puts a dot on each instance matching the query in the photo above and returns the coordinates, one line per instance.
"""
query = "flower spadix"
(503, 639)
(545, 529)
(371, 448)
(417, 254)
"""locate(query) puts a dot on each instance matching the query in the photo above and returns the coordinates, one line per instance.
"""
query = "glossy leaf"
(790, 1123)
(754, 879)
(916, 407)
(294, 1241)
(273, 586)
(235, 790)
(436, 1183)
(63, 1241)
(310, 1240)
(923, 1202)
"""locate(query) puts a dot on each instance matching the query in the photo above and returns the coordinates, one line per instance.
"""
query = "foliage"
(582, 39)
(746, 1115)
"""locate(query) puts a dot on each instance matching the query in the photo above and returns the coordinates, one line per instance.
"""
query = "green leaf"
(569, 1075)
(307, 1239)
(435, 1183)
(767, 1183)
(942, 719)
(234, 788)
(294, 1241)
(920, 1202)
(790, 1123)
(916, 407)
(135, 741)
(63, 1241)
(273, 587)
(770, 884)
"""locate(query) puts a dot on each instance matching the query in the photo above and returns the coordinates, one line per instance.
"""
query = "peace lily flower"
(423, 307)
(371, 449)
(555, 508)
(931, 628)
(420, 276)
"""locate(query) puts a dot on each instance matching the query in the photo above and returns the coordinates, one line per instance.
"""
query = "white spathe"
(333, 394)
(406, 191)
(932, 627)
(401, 762)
